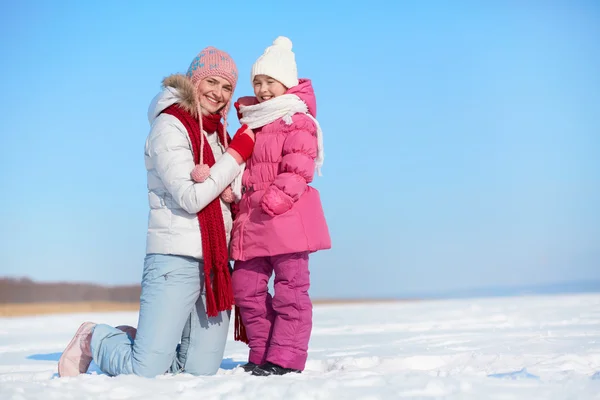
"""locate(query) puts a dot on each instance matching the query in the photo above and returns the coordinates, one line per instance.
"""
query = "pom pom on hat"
(279, 62)
(227, 195)
(283, 42)
(200, 173)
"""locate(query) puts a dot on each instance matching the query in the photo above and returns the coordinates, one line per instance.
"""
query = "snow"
(544, 347)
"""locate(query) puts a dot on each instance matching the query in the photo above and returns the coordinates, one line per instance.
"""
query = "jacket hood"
(306, 93)
(176, 88)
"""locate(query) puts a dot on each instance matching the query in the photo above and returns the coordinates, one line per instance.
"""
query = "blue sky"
(462, 139)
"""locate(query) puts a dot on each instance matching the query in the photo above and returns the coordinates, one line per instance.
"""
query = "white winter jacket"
(173, 196)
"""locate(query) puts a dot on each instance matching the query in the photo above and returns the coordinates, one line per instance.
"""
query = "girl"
(280, 218)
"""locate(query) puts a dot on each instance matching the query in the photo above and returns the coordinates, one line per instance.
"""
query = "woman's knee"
(152, 365)
(208, 365)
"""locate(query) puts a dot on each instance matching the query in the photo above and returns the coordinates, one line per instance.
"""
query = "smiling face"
(266, 88)
(214, 93)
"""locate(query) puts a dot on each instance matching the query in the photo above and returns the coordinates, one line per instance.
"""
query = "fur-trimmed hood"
(177, 88)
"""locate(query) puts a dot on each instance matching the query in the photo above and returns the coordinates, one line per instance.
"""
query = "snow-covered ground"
(496, 348)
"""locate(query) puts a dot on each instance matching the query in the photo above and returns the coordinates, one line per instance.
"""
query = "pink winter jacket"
(279, 212)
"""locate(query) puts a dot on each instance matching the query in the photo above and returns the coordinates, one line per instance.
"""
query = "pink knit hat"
(212, 61)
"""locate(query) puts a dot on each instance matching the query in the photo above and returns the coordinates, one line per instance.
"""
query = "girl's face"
(214, 92)
(266, 88)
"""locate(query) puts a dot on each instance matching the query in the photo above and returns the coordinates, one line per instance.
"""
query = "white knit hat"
(279, 62)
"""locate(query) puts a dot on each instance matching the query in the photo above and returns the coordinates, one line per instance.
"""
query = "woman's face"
(214, 93)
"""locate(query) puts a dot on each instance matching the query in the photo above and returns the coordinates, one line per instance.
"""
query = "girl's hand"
(242, 144)
(244, 101)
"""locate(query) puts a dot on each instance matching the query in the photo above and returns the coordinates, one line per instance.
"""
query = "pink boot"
(77, 356)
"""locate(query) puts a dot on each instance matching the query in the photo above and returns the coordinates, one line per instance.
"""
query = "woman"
(184, 317)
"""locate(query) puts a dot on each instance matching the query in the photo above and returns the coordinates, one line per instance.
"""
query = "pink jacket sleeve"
(297, 167)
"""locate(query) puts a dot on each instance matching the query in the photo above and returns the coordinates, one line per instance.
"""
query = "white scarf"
(284, 107)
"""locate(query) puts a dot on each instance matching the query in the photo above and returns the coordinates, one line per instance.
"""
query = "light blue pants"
(174, 333)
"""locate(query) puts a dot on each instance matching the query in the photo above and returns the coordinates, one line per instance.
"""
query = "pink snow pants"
(278, 327)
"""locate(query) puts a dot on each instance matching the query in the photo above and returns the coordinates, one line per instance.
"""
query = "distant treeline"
(24, 290)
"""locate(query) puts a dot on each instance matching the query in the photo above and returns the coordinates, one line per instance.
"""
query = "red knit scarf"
(211, 122)
(219, 293)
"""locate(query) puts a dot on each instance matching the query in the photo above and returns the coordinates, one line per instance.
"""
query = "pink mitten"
(200, 173)
(276, 202)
